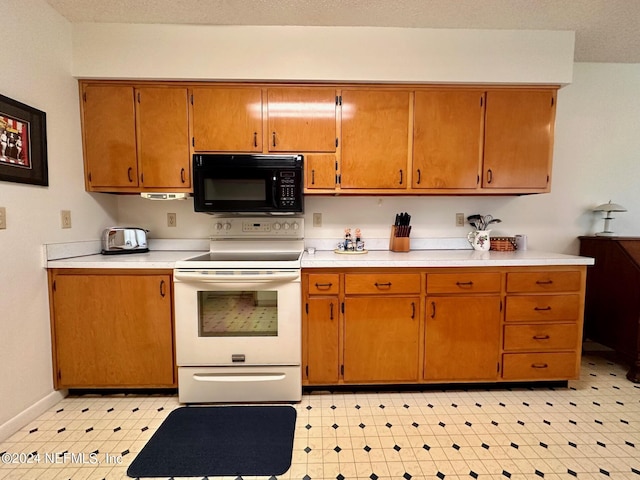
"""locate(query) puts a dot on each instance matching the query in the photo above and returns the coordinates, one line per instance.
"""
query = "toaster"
(116, 240)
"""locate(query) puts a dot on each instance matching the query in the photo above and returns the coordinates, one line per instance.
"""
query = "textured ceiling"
(606, 30)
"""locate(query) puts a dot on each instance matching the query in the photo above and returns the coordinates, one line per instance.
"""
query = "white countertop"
(161, 259)
(441, 258)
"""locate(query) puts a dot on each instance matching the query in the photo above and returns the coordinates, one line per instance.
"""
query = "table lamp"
(608, 208)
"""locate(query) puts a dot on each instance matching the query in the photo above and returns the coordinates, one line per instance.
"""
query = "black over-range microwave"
(236, 183)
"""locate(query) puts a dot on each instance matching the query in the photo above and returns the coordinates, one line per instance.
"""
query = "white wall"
(596, 159)
(37, 72)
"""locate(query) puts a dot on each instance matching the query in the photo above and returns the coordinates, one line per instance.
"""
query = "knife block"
(398, 244)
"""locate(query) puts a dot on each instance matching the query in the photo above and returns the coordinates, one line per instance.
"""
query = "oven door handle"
(214, 277)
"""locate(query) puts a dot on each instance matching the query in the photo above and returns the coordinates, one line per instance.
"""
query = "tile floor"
(589, 430)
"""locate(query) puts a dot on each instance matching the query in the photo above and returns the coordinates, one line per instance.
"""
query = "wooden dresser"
(612, 307)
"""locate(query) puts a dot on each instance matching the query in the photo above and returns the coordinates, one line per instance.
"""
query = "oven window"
(238, 314)
(225, 189)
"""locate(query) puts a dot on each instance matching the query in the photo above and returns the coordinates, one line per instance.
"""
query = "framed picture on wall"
(23, 140)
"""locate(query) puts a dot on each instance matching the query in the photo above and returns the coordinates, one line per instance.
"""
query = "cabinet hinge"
(336, 142)
(477, 179)
(342, 370)
(192, 99)
(552, 101)
(481, 100)
(138, 97)
(306, 308)
(547, 178)
(84, 96)
(59, 375)
(142, 178)
(498, 369)
(193, 141)
(306, 371)
(53, 287)
(89, 177)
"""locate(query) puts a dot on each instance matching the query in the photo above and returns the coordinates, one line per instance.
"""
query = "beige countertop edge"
(325, 259)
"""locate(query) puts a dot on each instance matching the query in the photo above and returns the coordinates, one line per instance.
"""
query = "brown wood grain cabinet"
(135, 138)
(112, 330)
(612, 315)
(442, 324)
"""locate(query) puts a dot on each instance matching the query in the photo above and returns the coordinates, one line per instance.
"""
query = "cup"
(521, 242)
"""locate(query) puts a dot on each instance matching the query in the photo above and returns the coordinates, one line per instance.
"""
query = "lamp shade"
(609, 207)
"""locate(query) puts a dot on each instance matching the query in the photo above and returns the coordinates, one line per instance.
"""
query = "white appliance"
(238, 314)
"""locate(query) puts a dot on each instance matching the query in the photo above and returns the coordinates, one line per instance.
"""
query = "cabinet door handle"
(163, 289)
(313, 177)
(274, 138)
(385, 285)
(465, 284)
(129, 170)
(419, 177)
(489, 176)
(542, 309)
(433, 309)
(255, 139)
(323, 285)
(400, 177)
(182, 177)
(413, 310)
(539, 365)
(331, 311)
(544, 282)
(541, 337)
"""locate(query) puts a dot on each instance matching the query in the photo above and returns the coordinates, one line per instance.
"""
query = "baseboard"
(30, 414)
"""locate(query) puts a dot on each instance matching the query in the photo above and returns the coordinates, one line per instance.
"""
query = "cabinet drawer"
(371, 283)
(463, 282)
(324, 283)
(543, 282)
(539, 366)
(528, 308)
(541, 337)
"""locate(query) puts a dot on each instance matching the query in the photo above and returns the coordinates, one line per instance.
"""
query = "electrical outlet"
(459, 219)
(3, 218)
(317, 219)
(171, 220)
(65, 218)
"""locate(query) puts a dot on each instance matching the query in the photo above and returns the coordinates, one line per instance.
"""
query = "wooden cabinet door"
(518, 142)
(381, 341)
(462, 338)
(227, 119)
(375, 143)
(163, 137)
(447, 138)
(301, 119)
(320, 171)
(322, 340)
(113, 330)
(109, 136)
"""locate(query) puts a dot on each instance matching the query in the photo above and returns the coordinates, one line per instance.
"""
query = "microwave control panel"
(288, 186)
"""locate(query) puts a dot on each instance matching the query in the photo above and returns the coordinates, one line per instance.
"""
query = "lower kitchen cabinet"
(442, 324)
(112, 329)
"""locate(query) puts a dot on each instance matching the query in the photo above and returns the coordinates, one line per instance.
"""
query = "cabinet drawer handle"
(182, 178)
(542, 309)
(163, 290)
(541, 337)
(313, 177)
(386, 285)
(465, 284)
(274, 138)
(129, 170)
(489, 176)
(544, 282)
(539, 365)
(323, 285)
(255, 139)
(433, 309)
(413, 310)
(331, 311)
(400, 177)
(419, 177)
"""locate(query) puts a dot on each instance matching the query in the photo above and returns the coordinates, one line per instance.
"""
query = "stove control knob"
(227, 226)
(295, 225)
(287, 226)
(277, 226)
(218, 226)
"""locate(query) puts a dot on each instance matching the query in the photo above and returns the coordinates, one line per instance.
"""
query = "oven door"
(237, 317)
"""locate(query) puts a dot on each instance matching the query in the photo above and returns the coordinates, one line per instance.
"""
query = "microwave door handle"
(274, 192)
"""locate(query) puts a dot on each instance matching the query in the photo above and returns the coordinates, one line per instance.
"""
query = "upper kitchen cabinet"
(375, 139)
(227, 119)
(518, 140)
(301, 119)
(447, 139)
(135, 139)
